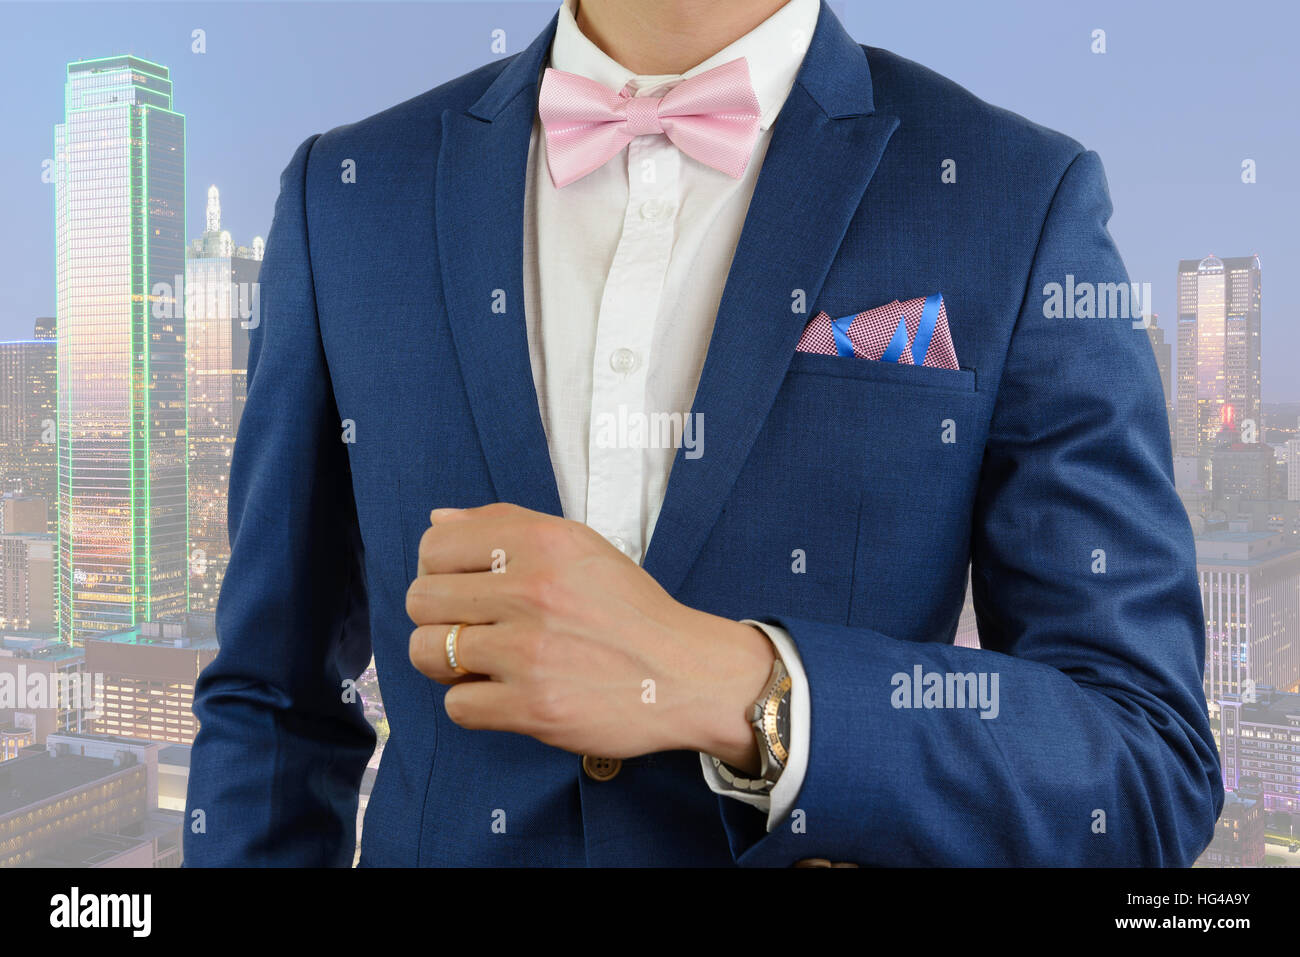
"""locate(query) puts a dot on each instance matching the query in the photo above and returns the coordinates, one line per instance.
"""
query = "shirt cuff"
(777, 801)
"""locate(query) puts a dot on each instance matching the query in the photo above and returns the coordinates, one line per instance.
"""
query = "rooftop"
(92, 850)
(120, 62)
(32, 778)
(1237, 547)
(193, 630)
(37, 646)
(177, 755)
(1275, 708)
(89, 850)
(1234, 536)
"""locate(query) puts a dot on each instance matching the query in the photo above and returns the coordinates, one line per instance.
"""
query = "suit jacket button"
(601, 769)
(813, 862)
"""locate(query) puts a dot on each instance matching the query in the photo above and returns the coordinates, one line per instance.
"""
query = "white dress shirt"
(623, 276)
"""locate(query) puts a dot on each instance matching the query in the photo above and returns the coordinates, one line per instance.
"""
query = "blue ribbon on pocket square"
(924, 330)
(929, 316)
(840, 330)
(894, 351)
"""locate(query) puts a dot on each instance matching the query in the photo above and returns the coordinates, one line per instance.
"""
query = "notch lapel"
(479, 213)
(826, 144)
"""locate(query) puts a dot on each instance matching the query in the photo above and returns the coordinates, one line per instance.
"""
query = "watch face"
(776, 720)
(782, 726)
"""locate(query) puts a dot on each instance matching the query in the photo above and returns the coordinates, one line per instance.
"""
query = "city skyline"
(1175, 179)
(151, 349)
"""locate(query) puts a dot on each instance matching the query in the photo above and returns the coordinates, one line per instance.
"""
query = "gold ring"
(453, 661)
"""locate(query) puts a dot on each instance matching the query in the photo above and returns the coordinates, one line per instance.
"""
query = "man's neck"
(654, 37)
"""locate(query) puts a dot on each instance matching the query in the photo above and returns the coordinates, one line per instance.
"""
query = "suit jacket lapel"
(479, 211)
(826, 144)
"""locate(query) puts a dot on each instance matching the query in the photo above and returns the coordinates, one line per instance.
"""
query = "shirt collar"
(773, 50)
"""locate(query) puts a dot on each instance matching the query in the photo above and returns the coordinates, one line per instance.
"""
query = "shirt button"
(622, 544)
(622, 360)
(655, 210)
(601, 769)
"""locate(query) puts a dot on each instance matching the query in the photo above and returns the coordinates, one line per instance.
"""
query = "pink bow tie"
(712, 117)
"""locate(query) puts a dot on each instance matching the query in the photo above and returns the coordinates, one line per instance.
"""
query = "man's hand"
(564, 635)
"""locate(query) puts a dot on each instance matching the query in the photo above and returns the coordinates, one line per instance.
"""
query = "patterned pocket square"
(898, 332)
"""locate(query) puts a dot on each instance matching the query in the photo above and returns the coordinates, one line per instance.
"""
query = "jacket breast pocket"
(920, 433)
(886, 373)
(858, 491)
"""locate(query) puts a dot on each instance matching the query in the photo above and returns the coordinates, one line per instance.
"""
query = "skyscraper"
(120, 247)
(27, 581)
(1259, 747)
(1250, 590)
(1165, 363)
(1218, 349)
(27, 386)
(220, 308)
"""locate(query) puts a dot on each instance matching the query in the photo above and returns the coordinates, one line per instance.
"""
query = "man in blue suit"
(480, 308)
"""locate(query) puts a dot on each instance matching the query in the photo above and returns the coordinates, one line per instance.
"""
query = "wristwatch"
(770, 717)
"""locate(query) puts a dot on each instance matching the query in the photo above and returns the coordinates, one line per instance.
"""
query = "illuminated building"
(1250, 590)
(149, 672)
(13, 739)
(1238, 836)
(1259, 747)
(27, 387)
(1218, 349)
(27, 581)
(119, 236)
(44, 686)
(86, 801)
(220, 308)
(1240, 470)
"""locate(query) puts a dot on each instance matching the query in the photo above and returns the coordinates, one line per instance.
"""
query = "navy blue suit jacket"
(377, 307)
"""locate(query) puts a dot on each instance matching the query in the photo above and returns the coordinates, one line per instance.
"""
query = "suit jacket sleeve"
(1101, 751)
(277, 763)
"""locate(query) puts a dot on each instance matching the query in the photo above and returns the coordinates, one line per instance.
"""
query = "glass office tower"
(27, 387)
(120, 262)
(220, 302)
(1219, 349)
